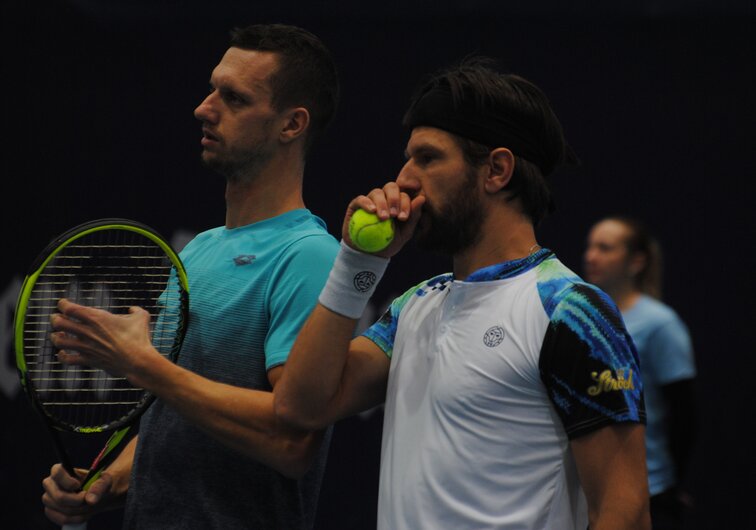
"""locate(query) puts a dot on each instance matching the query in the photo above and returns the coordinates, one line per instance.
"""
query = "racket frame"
(122, 430)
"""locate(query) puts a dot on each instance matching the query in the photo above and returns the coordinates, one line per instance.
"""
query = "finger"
(72, 357)
(393, 198)
(74, 312)
(417, 203)
(66, 341)
(136, 310)
(63, 478)
(416, 209)
(70, 308)
(63, 501)
(61, 518)
(378, 197)
(361, 202)
(65, 326)
(405, 207)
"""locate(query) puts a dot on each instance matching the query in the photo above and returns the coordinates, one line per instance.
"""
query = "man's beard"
(455, 226)
(240, 167)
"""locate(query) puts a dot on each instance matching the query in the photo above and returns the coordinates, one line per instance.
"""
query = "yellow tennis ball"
(369, 233)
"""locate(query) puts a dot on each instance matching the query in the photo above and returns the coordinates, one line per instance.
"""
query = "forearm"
(322, 347)
(622, 514)
(328, 375)
(240, 418)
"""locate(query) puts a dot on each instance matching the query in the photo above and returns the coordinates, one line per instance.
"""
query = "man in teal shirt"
(210, 452)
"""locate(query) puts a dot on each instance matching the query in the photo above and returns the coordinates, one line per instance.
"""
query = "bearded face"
(451, 226)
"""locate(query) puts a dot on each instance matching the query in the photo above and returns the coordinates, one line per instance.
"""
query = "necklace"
(532, 249)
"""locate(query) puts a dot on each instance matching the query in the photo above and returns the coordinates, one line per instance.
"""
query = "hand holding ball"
(369, 233)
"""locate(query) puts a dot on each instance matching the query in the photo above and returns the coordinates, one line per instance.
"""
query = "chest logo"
(493, 336)
(244, 259)
(606, 382)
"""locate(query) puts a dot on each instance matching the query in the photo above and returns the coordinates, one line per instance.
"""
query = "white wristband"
(352, 281)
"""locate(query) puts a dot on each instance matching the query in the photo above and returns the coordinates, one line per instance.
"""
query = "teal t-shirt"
(251, 289)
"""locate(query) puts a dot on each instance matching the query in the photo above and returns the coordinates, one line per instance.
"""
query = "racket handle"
(79, 526)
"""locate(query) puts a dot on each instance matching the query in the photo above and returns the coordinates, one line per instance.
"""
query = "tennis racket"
(111, 264)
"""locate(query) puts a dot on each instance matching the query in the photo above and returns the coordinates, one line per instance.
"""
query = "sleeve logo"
(606, 382)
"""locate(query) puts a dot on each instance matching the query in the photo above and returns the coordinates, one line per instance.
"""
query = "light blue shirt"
(666, 356)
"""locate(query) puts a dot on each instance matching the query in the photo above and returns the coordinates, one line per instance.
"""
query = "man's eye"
(232, 98)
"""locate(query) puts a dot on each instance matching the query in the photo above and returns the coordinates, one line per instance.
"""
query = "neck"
(273, 190)
(624, 295)
(507, 235)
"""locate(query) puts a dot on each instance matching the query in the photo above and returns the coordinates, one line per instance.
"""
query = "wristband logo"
(364, 280)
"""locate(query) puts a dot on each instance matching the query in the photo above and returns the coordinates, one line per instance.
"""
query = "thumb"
(99, 489)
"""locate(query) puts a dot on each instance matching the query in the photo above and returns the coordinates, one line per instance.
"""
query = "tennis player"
(210, 451)
(512, 392)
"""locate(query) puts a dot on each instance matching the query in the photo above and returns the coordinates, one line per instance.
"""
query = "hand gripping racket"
(110, 264)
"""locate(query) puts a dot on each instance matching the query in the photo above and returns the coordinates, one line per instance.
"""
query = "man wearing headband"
(511, 387)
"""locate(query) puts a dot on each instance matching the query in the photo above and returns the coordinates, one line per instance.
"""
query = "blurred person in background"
(624, 259)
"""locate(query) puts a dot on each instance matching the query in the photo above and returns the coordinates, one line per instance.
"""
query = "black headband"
(437, 108)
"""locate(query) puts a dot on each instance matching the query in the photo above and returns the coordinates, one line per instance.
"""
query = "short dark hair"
(475, 82)
(306, 76)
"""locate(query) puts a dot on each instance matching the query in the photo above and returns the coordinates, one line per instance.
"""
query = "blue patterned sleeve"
(588, 361)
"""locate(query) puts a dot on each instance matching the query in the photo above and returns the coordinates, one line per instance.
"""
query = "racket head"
(110, 264)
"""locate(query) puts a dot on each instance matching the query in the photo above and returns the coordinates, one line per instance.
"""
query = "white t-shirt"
(490, 378)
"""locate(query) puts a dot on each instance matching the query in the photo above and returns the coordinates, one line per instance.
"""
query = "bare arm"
(611, 463)
(351, 374)
(240, 418)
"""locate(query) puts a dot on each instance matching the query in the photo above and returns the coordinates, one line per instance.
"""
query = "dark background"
(656, 97)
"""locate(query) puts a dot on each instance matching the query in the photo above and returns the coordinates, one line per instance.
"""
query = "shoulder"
(423, 291)
(310, 250)
(201, 239)
(419, 293)
(299, 236)
(383, 332)
(654, 311)
(566, 296)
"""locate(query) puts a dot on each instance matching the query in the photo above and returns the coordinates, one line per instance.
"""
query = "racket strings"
(111, 270)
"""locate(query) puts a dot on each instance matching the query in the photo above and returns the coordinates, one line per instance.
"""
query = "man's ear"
(296, 122)
(501, 164)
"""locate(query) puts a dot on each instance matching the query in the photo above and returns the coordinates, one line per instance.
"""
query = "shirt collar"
(509, 269)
